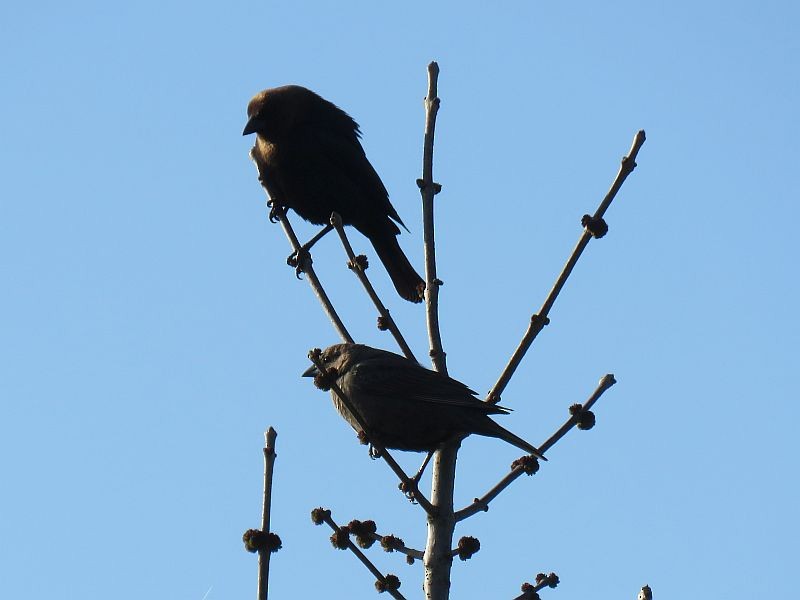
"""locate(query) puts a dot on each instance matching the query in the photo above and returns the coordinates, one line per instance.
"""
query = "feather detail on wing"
(399, 379)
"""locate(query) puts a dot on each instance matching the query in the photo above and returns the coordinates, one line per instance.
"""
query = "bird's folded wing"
(363, 191)
(409, 382)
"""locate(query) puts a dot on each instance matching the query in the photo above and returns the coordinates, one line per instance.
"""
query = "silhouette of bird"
(310, 159)
(404, 405)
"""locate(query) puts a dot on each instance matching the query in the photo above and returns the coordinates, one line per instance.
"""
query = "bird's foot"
(300, 260)
(276, 211)
(410, 487)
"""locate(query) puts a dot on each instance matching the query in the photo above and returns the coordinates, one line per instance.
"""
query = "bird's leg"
(410, 487)
(297, 259)
(425, 462)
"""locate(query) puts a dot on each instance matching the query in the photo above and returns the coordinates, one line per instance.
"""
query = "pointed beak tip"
(250, 126)
(312, 371)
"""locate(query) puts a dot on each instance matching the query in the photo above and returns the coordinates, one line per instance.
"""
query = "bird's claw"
(409, 489)
(276, 211)
(299, 260)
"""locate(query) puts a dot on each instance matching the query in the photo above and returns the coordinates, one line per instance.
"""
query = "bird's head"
(339, 357)
(274, 111)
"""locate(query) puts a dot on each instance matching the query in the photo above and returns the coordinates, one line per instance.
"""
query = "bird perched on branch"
(310, 159)
(404, 405)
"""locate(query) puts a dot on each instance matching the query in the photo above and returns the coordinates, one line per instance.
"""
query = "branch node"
(390, 543)
(256, 540)
(383, 323)
(467, 547)
(585, 419)
(539, 322)
(359, 263)
(529, 464)
(364, 532)
(550, 580)
(389, 583)
(340, 538)
(319, 515)
(596, 226)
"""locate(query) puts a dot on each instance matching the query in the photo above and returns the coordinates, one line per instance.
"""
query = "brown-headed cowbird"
(406, 406)
(309, 159)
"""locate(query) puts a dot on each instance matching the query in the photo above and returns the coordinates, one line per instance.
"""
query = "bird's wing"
(396, 378)
(362, 192)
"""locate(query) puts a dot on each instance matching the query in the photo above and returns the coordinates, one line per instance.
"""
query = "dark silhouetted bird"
(406, 406)
(309, 159)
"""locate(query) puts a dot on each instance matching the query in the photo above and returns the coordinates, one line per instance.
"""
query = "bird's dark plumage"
(406, 406)
(309, 159)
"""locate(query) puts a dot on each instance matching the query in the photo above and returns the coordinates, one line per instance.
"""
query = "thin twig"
(540, 319)
(263, 554)
(409, 484)
(531, 591)
(357, 268)
(482, 503)
(606, 381)
(362, 557)
(402, 548)
(305, 261)
(428, 188)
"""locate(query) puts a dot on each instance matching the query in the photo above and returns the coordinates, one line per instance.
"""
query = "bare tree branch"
(593, 227)
(397, 547)
(523, 466)
(359, 268)
(429, 189)
(263, 555)
(305, 265)
(409, 485)
(325, 515)
(441, 524)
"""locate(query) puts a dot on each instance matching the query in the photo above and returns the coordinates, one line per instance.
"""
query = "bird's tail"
(406, 281)
(504, 434)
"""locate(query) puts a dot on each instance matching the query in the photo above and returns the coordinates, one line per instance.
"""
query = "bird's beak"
(311, 371)
(251, 126)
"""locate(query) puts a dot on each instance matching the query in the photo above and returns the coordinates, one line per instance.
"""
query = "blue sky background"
(151, 330)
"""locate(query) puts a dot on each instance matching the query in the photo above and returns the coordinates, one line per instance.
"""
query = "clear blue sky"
(150, 330)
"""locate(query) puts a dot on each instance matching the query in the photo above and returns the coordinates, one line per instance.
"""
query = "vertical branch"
(429, 189)
(438, 559)
(263, 554)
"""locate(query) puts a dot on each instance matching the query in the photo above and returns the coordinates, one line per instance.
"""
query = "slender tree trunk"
(438, 558)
